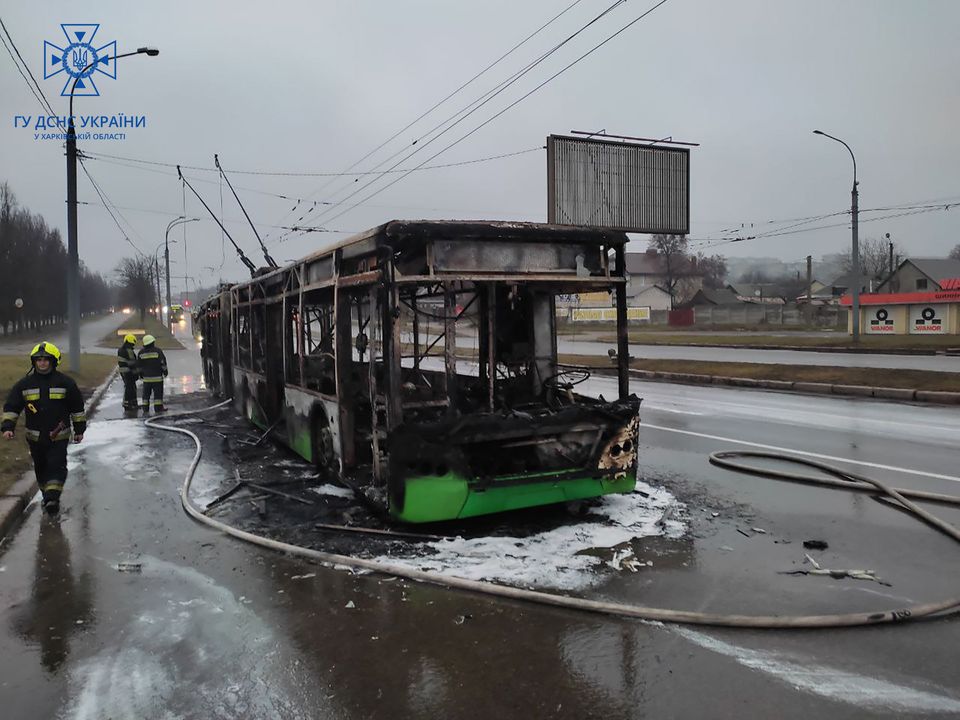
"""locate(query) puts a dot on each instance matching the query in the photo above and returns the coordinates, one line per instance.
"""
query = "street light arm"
(852, 156)
(139, 51)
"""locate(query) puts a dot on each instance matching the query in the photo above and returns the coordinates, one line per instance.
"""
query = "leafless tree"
(675, 262)
(713, 268)
(874, 257)
(955, 253)
(136, 283)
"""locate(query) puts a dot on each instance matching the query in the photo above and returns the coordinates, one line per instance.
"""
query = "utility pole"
(166, 254)
(73, 254)
(890, 245)
(156, 268)
(855, 216)
(809, 289)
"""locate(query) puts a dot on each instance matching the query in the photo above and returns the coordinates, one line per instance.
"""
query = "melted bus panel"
(417, 364)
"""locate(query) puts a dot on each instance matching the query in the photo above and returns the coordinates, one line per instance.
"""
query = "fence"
(756, 314)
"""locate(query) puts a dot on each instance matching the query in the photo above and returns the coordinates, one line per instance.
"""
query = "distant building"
(921, 297)
(921, 275)
(724, 297)
(648, 269)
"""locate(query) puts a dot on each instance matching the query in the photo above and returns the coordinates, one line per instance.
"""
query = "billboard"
(618, 185)
(607, 314)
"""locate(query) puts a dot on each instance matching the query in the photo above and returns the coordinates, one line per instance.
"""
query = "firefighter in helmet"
(127, 361)
(152, 367)
(53, 404)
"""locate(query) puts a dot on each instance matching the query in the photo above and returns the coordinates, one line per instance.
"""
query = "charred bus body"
(417, 364)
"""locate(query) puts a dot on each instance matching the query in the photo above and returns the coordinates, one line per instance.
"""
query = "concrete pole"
(855, 214)
(809, 289)
(73, 255)
(166, 256)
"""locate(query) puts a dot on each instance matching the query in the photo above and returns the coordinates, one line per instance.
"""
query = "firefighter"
(127, 360)
(152, 367)
(53, 403)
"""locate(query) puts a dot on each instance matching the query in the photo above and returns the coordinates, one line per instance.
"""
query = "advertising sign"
(607, 314)
(928, 319)
(880, 321)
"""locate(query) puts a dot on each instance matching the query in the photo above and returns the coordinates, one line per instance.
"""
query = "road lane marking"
(833, 683)
(776, 448)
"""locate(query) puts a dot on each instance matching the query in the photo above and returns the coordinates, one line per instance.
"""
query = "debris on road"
(815, 544)
(129, 567)
(835, 574)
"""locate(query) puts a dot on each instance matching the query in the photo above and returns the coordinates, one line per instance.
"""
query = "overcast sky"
(311, 87)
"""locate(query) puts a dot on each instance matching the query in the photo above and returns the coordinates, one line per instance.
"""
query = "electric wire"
(41, 98)
(508, 107)
(107, 205)
(449, 96)
(470, 109)
(104, 157)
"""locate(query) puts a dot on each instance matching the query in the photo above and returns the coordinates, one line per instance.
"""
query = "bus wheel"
(323, 454)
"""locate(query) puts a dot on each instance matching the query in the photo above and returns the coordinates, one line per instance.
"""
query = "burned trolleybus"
(417, 364)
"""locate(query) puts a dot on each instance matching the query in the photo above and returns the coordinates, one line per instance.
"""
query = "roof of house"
(937, 269)
(722, 296)
(645, 263)
(757, 290)
(651, 263)
(847, 279)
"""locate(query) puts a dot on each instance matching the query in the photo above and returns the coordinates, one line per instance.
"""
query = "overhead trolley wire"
(450, 95)
(34, 86)
(108, 205)
(511, 105)
(473, 107)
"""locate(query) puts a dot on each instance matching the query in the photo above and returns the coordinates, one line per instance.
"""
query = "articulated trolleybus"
(417, 364)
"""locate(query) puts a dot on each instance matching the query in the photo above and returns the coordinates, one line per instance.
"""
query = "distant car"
(176, 313)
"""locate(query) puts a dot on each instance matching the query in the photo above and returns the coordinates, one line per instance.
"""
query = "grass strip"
(149, 326)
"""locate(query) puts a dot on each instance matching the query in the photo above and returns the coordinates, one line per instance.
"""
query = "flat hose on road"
(607, 608)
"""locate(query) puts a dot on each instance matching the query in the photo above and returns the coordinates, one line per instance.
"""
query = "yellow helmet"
(148, 340)
(130, 338)
(47, 350)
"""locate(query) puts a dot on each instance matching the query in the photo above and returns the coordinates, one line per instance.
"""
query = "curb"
(19, 495)
(809, 388)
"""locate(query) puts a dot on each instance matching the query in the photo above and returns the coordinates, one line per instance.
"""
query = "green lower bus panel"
(448, 497)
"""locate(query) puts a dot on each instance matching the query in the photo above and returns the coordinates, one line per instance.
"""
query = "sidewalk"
(885, 393)
(19, 495)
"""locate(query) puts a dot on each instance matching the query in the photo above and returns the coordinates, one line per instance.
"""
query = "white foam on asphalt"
(568, 557)
(233, 665)
(831, 682)
(334, 490)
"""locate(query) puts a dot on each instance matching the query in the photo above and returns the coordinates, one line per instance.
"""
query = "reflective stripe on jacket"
(127, 359)
(152, 364)
(52, 403)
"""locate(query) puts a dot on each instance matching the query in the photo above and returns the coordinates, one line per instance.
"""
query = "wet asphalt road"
(212, 628)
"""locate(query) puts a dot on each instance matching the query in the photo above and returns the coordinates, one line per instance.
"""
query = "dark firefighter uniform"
(52, 403)
(152, 367)
(127, 361)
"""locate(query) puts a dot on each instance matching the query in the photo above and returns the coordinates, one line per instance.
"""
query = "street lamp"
(73, 264)
(854, 214)
(166, 254)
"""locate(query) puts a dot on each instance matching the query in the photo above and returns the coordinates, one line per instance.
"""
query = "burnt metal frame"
(369, 261)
